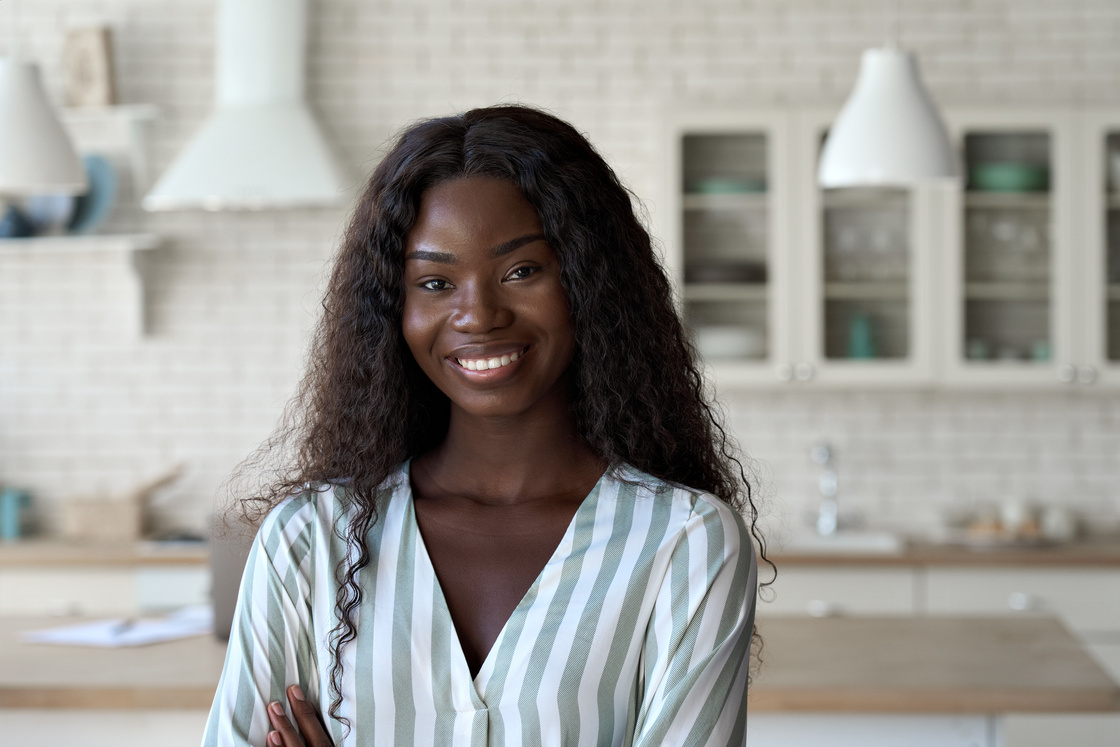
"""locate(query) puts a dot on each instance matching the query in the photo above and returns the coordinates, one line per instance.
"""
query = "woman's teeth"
(485, 364)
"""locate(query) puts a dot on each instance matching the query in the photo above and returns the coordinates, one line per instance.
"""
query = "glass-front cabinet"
(783, 283)
(1008, 278)
(730, 192)
(864, 273)
(1100, 290)
(1011, 305)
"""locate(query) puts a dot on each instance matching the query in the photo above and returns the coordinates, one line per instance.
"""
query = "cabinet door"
(864, 275)
(729, 223)
(1012, 258)
(839, 591)
(1087, 599)
(1098, 273)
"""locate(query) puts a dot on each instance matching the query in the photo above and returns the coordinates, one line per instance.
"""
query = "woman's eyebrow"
(508, 246)
(442, 257)
(500, 250)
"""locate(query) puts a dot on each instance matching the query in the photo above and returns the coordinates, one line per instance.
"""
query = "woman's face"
(485, 314)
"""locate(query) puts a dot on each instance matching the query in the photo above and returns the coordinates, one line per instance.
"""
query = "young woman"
(511, 517)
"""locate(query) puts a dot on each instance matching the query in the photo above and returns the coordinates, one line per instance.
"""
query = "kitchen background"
(86, 408)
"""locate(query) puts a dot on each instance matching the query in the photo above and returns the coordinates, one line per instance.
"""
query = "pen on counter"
(124, 626)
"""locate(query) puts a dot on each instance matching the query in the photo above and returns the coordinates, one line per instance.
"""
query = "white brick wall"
(232, 296)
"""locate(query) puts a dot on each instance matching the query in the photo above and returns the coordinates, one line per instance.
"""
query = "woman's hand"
(310, 731)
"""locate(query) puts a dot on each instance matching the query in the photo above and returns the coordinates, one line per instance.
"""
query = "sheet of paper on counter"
(119, 632)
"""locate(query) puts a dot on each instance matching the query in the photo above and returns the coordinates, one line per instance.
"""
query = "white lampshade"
(889, 132)
(36, 155)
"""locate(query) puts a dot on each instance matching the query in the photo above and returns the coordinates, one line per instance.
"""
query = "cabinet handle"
(824, 608)
(1021, 602)
(1067, 374)
(784, 372)
(1086, 375)
(803, 372)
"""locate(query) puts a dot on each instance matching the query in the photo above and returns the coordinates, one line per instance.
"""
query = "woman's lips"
(492, 362)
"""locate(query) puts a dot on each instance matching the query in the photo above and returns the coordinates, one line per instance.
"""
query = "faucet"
(828, 514)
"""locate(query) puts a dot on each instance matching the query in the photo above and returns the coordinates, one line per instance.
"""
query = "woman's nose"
(480, 309)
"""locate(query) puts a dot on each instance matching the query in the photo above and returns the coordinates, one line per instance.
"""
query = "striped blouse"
(636, 632)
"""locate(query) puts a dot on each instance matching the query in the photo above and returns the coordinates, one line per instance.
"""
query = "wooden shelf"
(1007, 291)
(80, 244)
(865, 198)
(896, 290)
(730, 201)
(726, 291)
(1007, 200)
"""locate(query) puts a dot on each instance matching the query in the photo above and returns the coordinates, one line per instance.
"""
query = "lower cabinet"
(100, 590)
(840, 590)
(1086, 599)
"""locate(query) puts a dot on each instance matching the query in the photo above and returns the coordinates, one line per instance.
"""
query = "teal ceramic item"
(15, 225)
(94, 206)
(861, 337)
(1009, 177)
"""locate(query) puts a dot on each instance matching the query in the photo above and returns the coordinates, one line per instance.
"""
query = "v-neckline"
(459, 663)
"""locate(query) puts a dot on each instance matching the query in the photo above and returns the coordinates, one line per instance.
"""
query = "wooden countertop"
(1097, 552)
(914, 665)
(176, 674)
(927, 665)
(62, 553)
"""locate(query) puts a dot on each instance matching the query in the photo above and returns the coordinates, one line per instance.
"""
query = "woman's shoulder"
(694, 510)
(318, 506)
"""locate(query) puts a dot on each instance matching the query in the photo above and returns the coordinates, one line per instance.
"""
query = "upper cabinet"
(1012, 259)
(865, 282)
(1099, 294)
(731, 196)
(1011, 277)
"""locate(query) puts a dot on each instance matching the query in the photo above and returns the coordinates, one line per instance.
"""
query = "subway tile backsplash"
(231, 298)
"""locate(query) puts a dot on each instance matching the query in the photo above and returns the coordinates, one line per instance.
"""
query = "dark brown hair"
(364, 406)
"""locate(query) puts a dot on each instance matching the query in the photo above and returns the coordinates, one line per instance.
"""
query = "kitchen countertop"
(57, 552)
(927, 665)
(1098, 552)
(179, 674)
(912, 665)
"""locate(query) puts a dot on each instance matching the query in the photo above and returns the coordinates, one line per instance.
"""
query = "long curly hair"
(364, 406)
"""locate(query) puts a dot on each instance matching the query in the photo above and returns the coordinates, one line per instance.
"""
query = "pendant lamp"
(36, 154)
(889, 132)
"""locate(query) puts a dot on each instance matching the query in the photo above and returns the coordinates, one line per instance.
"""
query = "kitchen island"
(867, 677)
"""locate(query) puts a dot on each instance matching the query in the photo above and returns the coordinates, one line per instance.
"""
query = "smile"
(488, 364)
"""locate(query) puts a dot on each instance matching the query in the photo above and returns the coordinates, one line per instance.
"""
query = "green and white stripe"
(636, 632)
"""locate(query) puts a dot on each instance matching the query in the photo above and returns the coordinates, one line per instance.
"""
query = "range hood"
(261, 147)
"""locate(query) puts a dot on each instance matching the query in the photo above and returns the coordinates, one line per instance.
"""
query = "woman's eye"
(520, 273)
(434, 285)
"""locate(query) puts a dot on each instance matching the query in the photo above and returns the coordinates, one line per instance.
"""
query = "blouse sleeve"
(697, 647)
(271, 645)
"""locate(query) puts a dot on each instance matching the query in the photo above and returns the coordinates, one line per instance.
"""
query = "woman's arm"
(697, 650)
(272, 644)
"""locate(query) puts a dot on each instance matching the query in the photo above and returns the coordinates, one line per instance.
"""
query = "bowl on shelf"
(728, 185)
(728, 341)
(1009, 177)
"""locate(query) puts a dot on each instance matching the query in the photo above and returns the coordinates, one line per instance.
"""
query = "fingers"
(307, 719)
(283, 734)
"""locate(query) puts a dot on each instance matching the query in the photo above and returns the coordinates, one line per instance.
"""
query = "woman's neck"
(510, 460)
